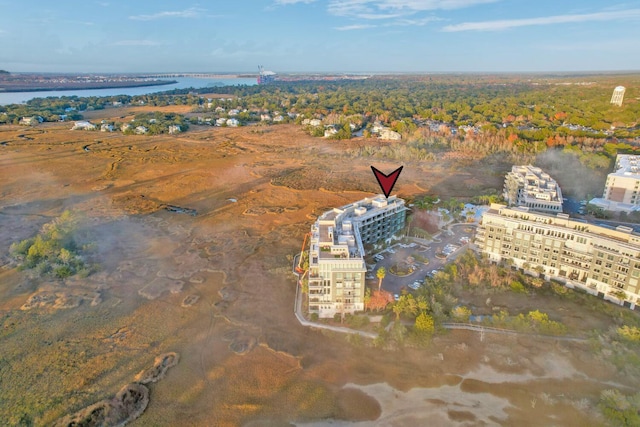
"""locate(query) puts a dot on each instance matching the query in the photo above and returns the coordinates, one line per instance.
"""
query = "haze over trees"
(54, 251)
(439, 116)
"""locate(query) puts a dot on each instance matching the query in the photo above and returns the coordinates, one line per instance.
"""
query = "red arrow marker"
(387, 181)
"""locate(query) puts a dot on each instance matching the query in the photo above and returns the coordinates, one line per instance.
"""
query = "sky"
(377, 36)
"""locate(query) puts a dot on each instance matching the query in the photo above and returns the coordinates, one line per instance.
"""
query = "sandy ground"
(244, 360)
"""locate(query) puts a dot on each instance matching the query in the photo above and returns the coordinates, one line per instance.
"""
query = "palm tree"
(381, 273)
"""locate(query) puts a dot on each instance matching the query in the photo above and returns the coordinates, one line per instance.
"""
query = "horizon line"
(620, 71)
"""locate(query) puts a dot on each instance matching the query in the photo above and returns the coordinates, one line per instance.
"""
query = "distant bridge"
(197, 76)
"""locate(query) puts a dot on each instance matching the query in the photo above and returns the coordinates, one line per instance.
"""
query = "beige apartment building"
(618, 95)
(531, 187)
(602, 261)
(336, 252)
(622, 189)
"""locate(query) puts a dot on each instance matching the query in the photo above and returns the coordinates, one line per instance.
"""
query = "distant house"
(106, 127)
(83, 125)
(390, 135)
(141, 130)
(125, 127)
(219, 109)
(174, 129)
(221, 121)
(278, 118)
(117, 104)
(152, 120)
(69, 109)
(265, 117)
(315, 122)
(30, 121)
(377, 127)
(330, 131)
(233, 123)
(234, 112)
(63, 117)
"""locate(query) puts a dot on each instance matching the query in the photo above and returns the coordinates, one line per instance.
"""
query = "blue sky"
(319, 35)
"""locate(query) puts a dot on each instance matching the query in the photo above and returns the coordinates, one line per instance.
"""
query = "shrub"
(621, 410)
(517, 287)
(357, 321)
(559, 288)
(629, 333)
(52, 251)
(461, 313)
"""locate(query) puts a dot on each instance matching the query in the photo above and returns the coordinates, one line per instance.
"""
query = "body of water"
(182, 83)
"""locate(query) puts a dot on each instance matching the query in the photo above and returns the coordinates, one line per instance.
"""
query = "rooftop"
(335, 234)
(537, 184)
(620, 233)
(627, 165)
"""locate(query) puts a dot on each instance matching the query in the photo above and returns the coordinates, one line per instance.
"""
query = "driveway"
(397, 253)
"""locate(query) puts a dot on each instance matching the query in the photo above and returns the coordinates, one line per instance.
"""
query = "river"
(182, 83)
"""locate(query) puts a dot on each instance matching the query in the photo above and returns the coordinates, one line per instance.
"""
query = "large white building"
(336, 252)
(618, 96)
(602, 261)
(531, 187)
(622, 189)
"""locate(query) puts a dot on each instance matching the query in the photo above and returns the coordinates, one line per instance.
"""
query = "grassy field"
(243, 357)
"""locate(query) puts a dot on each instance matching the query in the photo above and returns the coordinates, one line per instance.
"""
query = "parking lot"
(449, 244)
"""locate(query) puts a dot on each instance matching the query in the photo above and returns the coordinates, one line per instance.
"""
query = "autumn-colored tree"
(378, 300)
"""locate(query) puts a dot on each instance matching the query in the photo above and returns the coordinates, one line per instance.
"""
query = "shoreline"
(86, 87)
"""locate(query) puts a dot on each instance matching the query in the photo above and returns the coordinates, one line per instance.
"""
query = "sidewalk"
(297, 310)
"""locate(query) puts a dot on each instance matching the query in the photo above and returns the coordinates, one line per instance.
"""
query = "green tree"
(381, 274)
(424, 323)
(367, 298)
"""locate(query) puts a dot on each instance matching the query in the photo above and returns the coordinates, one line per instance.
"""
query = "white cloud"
(286, 2)
(354, 27)
(415, 22)
(360, 7)
(547, 20)
(136, 43)
(192, 12)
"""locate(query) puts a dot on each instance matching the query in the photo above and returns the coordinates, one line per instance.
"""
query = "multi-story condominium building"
(603, 261)
(618, 95)
(622, 189)
(531, 187)
(336, 252)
